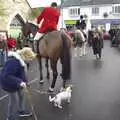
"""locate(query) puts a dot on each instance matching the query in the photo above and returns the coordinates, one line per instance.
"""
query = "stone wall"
(11, 9)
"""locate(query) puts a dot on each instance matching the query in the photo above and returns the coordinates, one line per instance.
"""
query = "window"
(74, 11)
(78, 11)
(116, 9)
(95, 11)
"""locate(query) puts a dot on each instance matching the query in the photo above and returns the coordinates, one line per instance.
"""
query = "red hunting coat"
(50, 17)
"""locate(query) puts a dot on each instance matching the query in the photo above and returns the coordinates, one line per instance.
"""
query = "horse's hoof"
(41, 81)
(51, 89)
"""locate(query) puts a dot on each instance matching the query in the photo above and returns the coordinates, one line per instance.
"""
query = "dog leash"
(43, 92)
(27, 90)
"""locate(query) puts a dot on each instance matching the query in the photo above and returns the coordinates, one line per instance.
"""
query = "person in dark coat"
(82, 23)
(97, 43)
(83, 26)
(77, 25)
(13, 79)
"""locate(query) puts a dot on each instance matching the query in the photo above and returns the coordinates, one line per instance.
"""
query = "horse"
(80, 42)
(52, 46)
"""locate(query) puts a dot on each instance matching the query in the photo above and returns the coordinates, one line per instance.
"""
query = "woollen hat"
(11, 43)
(27, 54)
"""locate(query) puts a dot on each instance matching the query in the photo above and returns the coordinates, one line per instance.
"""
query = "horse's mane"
(29, 28)
(33, 25)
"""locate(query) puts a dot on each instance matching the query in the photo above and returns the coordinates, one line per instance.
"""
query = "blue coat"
(12, 74)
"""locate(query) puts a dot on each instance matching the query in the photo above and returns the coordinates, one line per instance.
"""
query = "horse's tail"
(65, 57)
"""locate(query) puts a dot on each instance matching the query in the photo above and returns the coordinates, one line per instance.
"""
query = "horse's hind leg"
(47, 68)
(40, 68)
(84, 48)
(55, 73)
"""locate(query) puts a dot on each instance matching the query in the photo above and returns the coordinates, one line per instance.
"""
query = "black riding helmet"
(81, 17)
(53, 4)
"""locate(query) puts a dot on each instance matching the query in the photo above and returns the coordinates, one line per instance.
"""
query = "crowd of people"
(114, 36)
(13, 77)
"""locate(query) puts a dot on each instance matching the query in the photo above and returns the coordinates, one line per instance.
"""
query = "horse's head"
(29, 28)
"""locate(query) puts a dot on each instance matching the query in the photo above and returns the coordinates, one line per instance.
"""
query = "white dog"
(64, 95)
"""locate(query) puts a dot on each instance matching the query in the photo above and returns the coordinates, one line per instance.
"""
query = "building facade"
(15, 13)
(100, 13)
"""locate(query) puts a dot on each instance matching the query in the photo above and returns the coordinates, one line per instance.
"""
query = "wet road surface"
(96, 90)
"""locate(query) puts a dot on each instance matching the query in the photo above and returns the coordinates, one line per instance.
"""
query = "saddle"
(45, 41)
(46, 33)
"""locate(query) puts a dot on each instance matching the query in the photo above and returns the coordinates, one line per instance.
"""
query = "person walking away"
(97, 43)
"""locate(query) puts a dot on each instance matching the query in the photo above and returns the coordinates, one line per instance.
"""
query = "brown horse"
(52, 46)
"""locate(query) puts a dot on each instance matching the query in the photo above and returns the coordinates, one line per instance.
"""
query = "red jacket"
(50, 17)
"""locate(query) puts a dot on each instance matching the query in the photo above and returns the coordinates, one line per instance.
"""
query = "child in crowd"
(13, 79)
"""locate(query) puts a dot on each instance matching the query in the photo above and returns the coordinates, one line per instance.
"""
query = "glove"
(23, 85)
(35, 22)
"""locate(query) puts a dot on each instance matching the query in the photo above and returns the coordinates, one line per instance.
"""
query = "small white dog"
(64, 95)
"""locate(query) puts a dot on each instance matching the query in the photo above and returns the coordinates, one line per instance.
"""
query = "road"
(95, 95)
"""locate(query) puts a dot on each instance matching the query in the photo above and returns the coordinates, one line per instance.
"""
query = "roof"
(70, 3)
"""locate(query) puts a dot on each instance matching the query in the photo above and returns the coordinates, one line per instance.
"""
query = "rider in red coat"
(49, 18)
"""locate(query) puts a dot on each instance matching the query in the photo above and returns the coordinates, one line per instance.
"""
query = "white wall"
(88, 11)
(66, 15)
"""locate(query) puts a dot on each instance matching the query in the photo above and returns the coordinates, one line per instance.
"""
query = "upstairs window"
(95, 11)
(74, 11)
(116, 9)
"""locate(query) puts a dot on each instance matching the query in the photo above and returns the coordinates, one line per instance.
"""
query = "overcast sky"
(41, 3)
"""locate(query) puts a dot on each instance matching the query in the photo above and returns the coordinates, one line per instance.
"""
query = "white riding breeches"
(38, 36)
